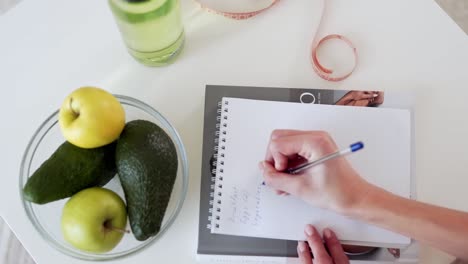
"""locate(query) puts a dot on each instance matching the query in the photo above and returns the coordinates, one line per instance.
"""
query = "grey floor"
(458, 10)
(11, 250)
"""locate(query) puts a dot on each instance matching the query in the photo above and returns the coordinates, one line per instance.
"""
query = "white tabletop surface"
(50, 47)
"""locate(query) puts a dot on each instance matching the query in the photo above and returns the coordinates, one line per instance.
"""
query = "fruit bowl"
(46, 218)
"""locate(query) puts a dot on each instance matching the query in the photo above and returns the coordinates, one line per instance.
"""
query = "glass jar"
(151, 29)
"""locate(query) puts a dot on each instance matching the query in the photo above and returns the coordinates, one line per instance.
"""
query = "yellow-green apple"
(94, 220)
(91, 117)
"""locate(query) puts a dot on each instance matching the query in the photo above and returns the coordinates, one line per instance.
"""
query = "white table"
(50, 47)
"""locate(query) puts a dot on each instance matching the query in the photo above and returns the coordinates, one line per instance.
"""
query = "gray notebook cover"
(215, 244)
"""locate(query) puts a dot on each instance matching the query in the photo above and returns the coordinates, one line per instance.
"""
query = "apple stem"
(108, 226)
(77, 114)
(121, 230)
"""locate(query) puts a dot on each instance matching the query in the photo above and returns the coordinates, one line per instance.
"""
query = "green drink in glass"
(151, 29)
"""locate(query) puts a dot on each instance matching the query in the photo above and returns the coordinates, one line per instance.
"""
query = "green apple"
(94, 220)
(91, 117)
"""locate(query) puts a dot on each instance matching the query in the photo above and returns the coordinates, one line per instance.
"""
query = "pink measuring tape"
(322, 71)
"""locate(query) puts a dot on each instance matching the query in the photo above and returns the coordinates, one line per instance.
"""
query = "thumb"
(279, 180)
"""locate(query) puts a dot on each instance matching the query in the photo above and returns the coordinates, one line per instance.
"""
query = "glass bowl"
(46, 218)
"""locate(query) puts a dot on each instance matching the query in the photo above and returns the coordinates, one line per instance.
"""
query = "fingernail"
(327, 233)
(301, 246)
(309, 230)
(278, 166)
(375, 95)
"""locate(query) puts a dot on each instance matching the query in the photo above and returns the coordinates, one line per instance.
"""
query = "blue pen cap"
(356, 146)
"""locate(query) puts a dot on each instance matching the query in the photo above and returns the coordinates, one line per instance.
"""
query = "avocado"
(147, 163)
(69, 170)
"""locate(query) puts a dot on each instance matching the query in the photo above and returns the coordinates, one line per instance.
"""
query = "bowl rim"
(83, 255)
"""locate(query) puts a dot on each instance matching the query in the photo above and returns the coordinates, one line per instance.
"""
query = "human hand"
(335, 254)
(331, 185)
(363, 97)
(379, 99)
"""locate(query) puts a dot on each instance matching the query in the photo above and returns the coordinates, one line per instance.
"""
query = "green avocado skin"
(147, 167)
(69, 170)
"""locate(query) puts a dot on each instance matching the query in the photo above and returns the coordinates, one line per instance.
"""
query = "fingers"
(279, 160)
(282, 182)
(361, 95)
(305, 145)
(379, 99)
(361, 102)
(316, 244)
(278, 192)
(334, 247)
(304, 253)
(278, 133)
(290, 148)
(367, 95)
(321, 256)
(351, 97)
(348, 96)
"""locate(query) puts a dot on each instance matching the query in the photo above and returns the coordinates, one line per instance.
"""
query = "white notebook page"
(242, 206)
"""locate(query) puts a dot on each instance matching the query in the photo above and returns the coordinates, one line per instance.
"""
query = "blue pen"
(352, 148)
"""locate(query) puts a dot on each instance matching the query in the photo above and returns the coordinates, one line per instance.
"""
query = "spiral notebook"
(241, 206)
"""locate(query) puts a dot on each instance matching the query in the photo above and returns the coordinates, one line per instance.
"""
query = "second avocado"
(69, 170)
(147, 167)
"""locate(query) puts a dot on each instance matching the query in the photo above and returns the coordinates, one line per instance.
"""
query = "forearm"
(435, 226)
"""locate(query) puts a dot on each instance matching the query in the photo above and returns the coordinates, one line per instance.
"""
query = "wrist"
(364, 196)
(377, 207)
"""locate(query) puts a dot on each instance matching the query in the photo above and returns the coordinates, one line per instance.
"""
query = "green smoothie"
(151, 29)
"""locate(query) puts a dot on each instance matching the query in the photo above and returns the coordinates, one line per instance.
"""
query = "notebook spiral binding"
(217, 175)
